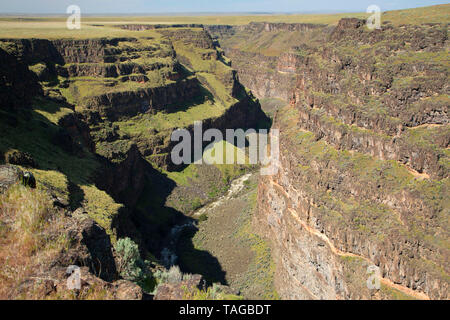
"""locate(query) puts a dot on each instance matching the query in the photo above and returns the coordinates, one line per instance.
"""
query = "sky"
(184, 6)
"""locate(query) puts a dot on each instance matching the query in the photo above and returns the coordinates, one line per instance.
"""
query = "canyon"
(362, 180)
(350, 191)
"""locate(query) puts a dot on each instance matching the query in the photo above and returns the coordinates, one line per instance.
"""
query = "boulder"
(20, 158)
(177, 291)
(18, 85)
(127, 290)
(28, 180)
(98, 243)
(9, 175)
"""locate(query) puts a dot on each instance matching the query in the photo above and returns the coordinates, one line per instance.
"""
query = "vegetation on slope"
(227, 231)
(359, 211)
(55, 123)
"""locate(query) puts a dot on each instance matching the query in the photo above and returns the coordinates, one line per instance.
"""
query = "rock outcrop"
(363, 171)
(177, 291)
(44, 272)
(266, 67)
(9, 175)
(18, 85)
(115, 105)
(104, 105)
(267, 77)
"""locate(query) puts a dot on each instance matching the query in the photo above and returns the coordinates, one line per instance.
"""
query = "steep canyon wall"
(363, 177)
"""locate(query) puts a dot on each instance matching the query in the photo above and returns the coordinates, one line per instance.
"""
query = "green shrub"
(173, 275)
(130, 265)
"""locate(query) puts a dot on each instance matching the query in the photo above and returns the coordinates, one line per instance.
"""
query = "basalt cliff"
(85, 130)
(362, 183)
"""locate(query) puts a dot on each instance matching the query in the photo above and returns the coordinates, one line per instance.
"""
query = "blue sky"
(159, 6)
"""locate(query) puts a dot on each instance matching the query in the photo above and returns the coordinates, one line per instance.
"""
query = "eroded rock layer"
(363, 176)
(91, 121)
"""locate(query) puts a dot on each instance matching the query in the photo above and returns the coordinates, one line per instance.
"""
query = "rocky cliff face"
(90, 119)
(328, 227)
(266, 54)
(364, 169)
(267, 77)
(116, 105)
(17, 84)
